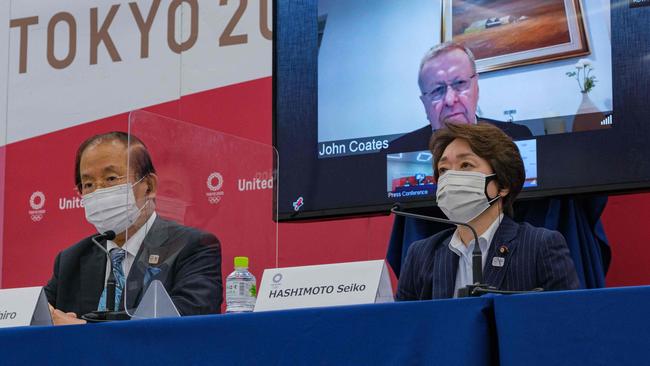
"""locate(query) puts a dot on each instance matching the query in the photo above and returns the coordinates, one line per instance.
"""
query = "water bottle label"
(240, 289)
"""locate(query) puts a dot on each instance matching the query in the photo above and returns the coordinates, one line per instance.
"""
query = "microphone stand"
(110, 289)
(111, 312)
(477, 288)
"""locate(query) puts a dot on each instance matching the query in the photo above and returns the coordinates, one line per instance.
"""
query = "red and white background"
(76, 68)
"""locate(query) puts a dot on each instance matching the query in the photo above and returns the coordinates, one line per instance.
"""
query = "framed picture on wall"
(509, 33)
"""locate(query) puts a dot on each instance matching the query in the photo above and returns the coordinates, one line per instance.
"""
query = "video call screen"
(347, 108)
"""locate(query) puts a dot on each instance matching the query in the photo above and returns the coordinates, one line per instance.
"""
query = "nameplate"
(324, 285)
(24, 306)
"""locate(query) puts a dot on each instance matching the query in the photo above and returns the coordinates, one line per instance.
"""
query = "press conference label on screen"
(324, 285)
(24, 306)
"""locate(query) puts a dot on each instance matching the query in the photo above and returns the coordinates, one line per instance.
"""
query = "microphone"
(477, 260)
(110, 282)
(109, 235)
(111, 312)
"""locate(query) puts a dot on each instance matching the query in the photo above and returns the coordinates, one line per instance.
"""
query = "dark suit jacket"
(190, 262)
(419, 139)
(536, 257)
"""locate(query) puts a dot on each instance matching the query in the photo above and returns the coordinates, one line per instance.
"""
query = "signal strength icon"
(607, 121)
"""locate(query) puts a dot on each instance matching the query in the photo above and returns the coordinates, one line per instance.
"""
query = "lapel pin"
(498, 261)
(154, 258)
(503, 250)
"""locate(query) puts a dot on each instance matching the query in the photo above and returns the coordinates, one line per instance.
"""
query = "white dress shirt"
(132, 246)
(464, 274)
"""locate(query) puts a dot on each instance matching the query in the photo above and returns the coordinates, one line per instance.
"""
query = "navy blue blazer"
(535, 257)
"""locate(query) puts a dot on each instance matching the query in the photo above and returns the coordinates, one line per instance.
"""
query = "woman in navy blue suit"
(480, 173)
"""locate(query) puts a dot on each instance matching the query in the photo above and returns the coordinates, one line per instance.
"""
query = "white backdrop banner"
(80, 61)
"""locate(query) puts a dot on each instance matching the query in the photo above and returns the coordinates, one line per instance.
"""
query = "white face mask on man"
(112, 208)
(462, 196)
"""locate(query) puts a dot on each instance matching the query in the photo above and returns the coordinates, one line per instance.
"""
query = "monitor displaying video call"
(350, 117)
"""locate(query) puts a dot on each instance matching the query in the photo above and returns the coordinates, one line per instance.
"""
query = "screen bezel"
(622, 114)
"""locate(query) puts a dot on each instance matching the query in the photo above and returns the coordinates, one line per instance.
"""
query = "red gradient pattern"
(626, 220)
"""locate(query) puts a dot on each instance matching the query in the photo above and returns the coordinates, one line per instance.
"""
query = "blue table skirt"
(445, 332)
(589, 327)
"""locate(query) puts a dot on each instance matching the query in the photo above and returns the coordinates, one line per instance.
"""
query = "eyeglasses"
(439, 92)
(89, 186)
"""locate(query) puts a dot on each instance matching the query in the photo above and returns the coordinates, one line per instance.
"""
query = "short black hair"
(140, 158)
(490, 143)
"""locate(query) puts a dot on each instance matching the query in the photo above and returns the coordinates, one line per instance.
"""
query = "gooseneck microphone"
(477, 260)
(110, 282)
(111, 312)
(109, 235)
(477, 288)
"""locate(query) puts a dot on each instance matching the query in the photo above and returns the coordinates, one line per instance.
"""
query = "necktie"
(117, 257)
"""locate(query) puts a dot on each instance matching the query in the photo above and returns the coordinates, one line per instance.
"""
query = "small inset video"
(410, 174)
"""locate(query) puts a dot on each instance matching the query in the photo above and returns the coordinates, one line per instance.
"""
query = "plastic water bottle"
(241, 291)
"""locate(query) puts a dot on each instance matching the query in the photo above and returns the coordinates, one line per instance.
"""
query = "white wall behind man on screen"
(370, 55)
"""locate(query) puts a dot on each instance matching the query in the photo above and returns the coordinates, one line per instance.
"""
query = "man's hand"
(61, 318)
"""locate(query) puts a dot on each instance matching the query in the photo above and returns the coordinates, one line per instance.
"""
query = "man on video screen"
(449, 85)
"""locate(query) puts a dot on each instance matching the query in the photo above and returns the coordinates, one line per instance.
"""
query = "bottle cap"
(241, 262)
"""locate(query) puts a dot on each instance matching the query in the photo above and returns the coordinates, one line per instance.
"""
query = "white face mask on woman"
(112, 208)
(462, 196)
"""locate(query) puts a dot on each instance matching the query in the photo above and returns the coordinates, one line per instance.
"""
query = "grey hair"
(445, 47)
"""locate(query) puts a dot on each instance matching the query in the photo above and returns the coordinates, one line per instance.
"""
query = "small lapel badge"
(154, 258)
(503, 250)
(498, 261)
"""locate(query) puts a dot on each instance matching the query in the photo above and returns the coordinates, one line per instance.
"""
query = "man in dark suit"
(480, 173)
(448, 82)
(419, 139)
(146, 247)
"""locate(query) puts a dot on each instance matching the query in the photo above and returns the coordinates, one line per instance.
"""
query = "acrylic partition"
(213, 196)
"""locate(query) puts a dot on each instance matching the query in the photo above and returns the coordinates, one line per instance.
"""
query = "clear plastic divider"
(202, 197)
